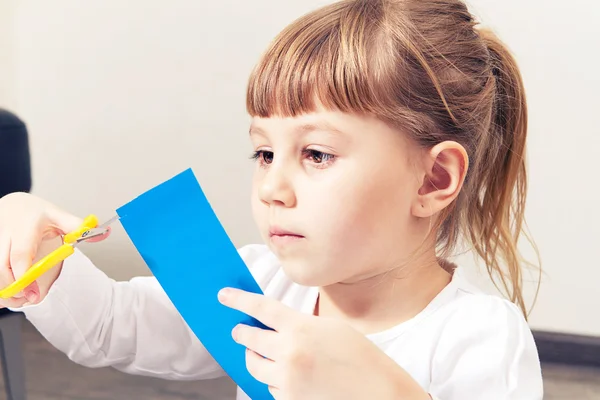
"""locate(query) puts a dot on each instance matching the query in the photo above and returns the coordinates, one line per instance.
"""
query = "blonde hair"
(423, 66)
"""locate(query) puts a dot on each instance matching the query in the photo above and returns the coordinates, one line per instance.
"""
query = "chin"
(306, 274)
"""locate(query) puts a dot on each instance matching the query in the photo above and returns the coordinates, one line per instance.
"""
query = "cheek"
(364, 219)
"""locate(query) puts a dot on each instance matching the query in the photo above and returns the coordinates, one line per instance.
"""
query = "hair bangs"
(320, 60)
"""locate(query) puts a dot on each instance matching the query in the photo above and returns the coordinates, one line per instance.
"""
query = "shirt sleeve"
(487, 351)
(131, 326)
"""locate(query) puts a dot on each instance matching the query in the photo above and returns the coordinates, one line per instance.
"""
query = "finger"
(50, 232)
(262, 369)
(262, 341)
(23, 249)
(101, 237)
(14, 303)
(63, 221)
(7, 278)
(267, 310)
(32, 292)
(6, 274)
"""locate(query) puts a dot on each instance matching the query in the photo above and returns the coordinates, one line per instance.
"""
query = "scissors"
(89, 229)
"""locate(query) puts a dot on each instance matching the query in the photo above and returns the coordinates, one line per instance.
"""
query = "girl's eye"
(318, 157)
(263, 156)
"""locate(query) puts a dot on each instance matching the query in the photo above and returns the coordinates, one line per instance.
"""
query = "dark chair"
(15, 176)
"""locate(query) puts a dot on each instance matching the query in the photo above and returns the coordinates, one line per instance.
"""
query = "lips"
(283, 238)
(280, 232)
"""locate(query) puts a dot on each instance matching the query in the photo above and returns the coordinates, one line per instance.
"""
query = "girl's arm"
(131, 326)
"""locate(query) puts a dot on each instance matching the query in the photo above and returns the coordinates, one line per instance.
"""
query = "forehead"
(319, 120)
(322, 122)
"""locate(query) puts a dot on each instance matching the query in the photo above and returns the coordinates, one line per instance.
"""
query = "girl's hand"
(30, 228)
(308, 357)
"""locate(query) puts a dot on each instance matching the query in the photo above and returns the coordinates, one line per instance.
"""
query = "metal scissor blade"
(109, 222)
(98, 231)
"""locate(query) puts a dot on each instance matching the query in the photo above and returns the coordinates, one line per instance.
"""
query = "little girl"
(386, 132)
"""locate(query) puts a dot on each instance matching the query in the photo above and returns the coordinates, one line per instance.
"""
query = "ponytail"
(495, 219)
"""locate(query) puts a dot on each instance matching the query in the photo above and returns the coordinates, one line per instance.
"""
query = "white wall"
(7, 54)
(98, 80)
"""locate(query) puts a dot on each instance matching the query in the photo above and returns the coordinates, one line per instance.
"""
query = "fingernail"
(31, 296)
(224, 294)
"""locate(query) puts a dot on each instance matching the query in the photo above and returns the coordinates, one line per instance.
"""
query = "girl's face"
(332, 195)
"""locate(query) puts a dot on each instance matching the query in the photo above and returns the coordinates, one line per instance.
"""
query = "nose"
(276, 188)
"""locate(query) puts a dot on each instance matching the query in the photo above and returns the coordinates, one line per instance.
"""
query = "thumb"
(62, 221)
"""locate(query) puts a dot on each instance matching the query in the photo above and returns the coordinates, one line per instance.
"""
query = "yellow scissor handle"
(90, 222)
(37, 270)
(49, 261)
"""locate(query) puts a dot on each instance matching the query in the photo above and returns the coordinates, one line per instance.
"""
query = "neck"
(382, 301)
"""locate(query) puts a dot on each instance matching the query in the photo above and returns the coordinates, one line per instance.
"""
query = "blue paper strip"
(180, 238)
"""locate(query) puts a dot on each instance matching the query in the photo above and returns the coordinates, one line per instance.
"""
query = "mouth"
(282, 236)
(276, 231)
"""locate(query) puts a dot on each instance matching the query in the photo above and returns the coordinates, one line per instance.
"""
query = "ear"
(446, 166)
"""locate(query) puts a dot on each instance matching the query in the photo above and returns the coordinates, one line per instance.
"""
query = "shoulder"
(478, 317)
(485, 344)
(473, 316)
(482, 312)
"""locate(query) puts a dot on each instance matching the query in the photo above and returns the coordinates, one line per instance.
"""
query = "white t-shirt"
(464, 345)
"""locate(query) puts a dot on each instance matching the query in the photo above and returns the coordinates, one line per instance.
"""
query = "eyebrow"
(304, 128)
